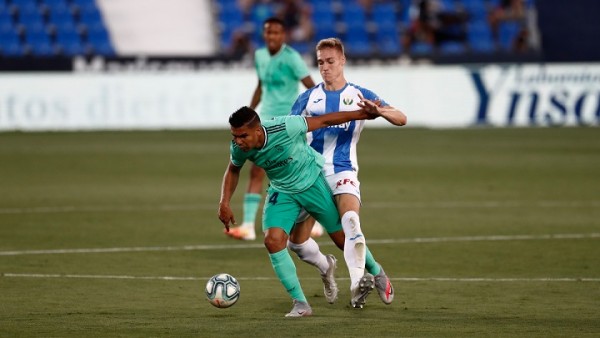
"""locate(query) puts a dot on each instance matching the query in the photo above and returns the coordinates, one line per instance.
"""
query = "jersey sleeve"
(296, 125)
(299, 67)
(369, 95)
(300, 103)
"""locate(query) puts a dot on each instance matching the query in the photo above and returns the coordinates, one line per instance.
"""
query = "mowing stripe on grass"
(403, 279)
(256, 246)
(376, 205)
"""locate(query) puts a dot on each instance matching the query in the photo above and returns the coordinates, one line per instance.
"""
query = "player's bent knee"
(275, 242)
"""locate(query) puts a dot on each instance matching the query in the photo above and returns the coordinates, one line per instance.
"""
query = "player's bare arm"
(256, 96)
(230, 181)
(369, 110)
(332, 119)
(391, 114)
(308, 82)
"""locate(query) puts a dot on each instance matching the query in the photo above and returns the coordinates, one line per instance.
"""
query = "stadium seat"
(38, 43)
(421, 48)
(388, 41)
(448, 5)
(354, 17)
(480, 38)
(325, 29)
(10, 44)
(69, 43)
(452, 48)
(356, 41)
(301, 47)
(30, 16)
(507, 32)
(358, 48)
(477, 9)
(99, 42)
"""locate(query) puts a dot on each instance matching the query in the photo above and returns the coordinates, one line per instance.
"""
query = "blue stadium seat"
(452, 48)
(38, 42)
(388, 41)
(356, 41)
(354, 16)
(448, 5)
(30, 16)
(325, 29)
(480, 38)
(69, 43)
(507, 32)
(230, 20)
(99, 42)
(231, 17)
(476, 8)
(358, 48)
(421, 48)
(385, 13)
(260, 13)
(10, 44)
(60, 16)
(55, 5)
(301, 47)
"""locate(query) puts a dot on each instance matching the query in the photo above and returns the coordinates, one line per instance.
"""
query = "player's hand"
(226, 216)
(369, 107)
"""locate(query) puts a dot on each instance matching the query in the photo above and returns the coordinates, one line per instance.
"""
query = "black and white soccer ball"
(222, 290)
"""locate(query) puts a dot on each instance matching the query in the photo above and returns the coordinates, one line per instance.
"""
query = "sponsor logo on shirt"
(344, 126)
(278, 164)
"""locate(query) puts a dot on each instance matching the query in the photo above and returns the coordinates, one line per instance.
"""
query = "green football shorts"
(282, 209)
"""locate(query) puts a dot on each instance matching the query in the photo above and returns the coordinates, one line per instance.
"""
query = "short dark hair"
(275, 20)
(244, 116)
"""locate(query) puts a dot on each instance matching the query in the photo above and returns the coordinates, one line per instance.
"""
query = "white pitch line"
(402, 279)
(375, 205)
(260, 246)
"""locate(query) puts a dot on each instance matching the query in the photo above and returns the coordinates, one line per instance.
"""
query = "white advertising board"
(431, 96)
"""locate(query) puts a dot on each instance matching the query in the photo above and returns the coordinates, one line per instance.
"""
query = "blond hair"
(334, 43)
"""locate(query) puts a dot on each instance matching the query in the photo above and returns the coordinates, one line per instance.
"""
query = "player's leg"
(252, 199)
(346, 189)
(308, 251)
(280, 212)
(355, 250)
(383, 284)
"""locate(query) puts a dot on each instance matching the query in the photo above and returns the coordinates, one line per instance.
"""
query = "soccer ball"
(222, 290)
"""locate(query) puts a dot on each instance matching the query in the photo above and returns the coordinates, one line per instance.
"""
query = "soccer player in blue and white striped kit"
(338, 145)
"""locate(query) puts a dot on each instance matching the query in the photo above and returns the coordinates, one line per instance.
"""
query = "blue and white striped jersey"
(336, 143)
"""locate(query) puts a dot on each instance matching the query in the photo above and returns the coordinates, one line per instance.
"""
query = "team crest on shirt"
(348, 101)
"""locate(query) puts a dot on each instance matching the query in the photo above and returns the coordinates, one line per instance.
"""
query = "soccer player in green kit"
(279, 68)
(296, 182)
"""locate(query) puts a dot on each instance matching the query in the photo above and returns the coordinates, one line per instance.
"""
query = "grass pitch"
(485, 232)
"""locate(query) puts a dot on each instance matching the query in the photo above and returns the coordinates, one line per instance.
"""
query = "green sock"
(371, 265)
(286, 272)
(251, 203)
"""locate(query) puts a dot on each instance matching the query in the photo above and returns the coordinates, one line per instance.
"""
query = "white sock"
(310, 253)
(354, 247)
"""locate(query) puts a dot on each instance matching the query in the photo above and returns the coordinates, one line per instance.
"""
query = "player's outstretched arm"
(391, 114)
(368, 111)
(230, 181)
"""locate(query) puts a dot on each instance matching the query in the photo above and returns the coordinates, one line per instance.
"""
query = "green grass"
(434, 204)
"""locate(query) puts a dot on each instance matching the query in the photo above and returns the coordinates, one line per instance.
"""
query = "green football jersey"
(280, 75)
(290, 163)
